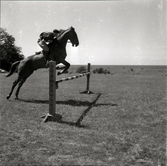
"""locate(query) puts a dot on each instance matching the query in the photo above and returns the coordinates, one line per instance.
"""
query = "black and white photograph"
(83, 83)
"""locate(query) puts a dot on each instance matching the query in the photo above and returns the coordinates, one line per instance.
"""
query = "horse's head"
(68, 34)
(73, 37)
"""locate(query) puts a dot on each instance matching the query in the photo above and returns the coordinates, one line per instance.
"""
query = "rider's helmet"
(47, 36)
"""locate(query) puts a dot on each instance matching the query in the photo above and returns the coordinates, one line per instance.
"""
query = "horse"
(31, 63)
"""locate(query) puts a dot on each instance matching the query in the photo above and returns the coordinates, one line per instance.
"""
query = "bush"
(81, 69)
(101, 71)
(98, 70)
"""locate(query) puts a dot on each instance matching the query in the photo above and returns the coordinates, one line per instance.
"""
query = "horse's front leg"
(60, 67)
(65, 67)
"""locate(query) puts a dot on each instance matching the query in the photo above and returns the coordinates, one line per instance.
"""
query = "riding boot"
(46, 54)
(37, 53)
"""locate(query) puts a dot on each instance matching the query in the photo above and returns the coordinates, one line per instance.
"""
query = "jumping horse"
(31, 63)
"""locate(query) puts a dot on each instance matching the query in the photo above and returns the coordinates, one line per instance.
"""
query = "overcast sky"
(130, 32)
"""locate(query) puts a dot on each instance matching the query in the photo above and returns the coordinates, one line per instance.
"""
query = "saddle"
(45, 53)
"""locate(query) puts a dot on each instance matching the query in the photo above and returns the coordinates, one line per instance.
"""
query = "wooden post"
(52, 92)
(52, 116)
(87, 91)
(88, 78)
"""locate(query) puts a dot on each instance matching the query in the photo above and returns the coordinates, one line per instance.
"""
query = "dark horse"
(57, 49)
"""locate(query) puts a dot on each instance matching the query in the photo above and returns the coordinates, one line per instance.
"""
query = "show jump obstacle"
(52, 115)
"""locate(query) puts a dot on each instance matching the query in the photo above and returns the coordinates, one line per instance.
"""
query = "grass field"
(125, 122)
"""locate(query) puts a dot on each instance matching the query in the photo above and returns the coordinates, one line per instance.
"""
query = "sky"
(132, 32)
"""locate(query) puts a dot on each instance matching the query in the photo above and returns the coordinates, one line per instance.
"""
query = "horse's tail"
(13, 68)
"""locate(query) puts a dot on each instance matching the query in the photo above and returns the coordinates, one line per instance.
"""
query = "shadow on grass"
(92, 104)
(74, 103)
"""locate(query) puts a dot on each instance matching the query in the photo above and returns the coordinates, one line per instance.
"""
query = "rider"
(44, 38)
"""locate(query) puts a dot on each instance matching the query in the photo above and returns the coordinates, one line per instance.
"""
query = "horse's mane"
(60, 34)
(62, 31)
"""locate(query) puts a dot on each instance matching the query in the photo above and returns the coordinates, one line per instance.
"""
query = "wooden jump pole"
(87, 91)
(71, 78)
(52, 94)
(88, 79)
(52, 116)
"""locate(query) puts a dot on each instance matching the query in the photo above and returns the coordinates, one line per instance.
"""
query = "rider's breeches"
(43, 45)
(45, 49)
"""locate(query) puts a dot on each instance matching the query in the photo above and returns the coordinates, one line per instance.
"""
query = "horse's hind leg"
(21, 83)
(13, 86)
(18, 89)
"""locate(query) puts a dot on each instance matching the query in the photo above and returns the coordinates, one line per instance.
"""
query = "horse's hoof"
(16, 98)
(57, 67)
(57, 86)
(8, 97)
(59, 73)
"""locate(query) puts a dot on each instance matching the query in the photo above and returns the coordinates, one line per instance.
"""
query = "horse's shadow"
(74, 103)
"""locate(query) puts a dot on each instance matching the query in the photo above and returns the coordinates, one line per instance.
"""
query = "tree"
(9, 52)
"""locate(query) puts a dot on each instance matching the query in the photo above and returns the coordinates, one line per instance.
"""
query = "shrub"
(101, 71)
(98, 70)
(81, 69)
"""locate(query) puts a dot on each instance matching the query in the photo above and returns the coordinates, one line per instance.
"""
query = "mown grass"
(125, 122)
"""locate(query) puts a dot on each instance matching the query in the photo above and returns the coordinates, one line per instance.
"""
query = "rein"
(62, 32)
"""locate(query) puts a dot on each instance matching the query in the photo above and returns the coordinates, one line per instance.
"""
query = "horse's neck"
(62, 44)
(63, 39)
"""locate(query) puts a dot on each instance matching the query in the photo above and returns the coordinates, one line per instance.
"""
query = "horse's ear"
(72, 28)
